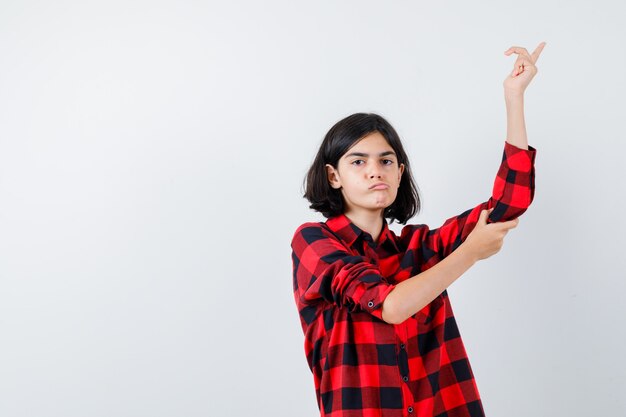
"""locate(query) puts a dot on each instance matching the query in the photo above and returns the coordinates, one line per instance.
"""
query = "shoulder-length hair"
(339, 139)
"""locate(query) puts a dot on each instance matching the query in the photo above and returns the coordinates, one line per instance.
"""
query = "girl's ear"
(401, 172)
(332, 176)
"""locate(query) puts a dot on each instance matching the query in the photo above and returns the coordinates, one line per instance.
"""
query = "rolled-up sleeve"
(325, 271)
(514, 186)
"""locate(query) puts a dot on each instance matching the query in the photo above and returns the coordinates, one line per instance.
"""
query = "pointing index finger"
(537, 51)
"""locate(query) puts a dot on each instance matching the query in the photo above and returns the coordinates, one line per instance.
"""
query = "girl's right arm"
(413, 294)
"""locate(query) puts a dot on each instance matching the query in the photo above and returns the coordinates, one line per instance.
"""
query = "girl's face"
(370, 161)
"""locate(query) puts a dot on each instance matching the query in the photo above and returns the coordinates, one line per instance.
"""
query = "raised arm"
(514, 186)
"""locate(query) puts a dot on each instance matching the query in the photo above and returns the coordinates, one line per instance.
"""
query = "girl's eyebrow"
(367, 155)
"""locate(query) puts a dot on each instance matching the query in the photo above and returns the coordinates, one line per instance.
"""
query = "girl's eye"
(390, 161)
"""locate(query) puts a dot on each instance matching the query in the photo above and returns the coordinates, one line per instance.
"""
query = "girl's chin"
(380, 204)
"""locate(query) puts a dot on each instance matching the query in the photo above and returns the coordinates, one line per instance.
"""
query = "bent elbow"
(390, 313)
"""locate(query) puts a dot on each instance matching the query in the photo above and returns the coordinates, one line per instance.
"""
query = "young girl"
(381, 338)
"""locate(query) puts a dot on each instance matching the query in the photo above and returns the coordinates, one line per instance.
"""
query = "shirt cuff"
(372, 300)
(519, 159)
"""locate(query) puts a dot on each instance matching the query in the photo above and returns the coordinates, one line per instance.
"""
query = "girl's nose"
(374, 171)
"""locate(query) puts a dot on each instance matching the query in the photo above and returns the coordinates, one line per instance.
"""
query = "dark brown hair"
(338, 140)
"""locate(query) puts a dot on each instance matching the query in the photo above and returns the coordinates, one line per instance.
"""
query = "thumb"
(484, 213)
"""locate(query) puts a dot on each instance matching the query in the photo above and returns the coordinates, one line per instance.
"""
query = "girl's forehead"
(370, 147)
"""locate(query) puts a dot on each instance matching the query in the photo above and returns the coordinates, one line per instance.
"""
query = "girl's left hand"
(524, 69)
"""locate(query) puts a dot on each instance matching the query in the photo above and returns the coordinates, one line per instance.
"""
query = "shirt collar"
(350, 232)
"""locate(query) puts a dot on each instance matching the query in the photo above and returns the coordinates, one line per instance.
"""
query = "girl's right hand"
(486, 239)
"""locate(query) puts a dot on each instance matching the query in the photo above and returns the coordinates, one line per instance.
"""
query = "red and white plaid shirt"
(363, 366)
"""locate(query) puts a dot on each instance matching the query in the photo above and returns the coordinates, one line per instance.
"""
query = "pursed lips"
(379, 186)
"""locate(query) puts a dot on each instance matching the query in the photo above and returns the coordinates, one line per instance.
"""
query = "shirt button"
(405, 378)
(410, 409)
(370, 304)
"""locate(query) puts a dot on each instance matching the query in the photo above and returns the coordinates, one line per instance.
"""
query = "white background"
(152, 155)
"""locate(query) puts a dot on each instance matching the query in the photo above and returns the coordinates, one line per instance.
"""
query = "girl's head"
(357, 152)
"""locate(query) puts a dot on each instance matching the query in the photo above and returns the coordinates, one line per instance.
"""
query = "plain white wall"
(151, 163)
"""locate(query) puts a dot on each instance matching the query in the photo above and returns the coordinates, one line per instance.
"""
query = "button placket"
(403, 363)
